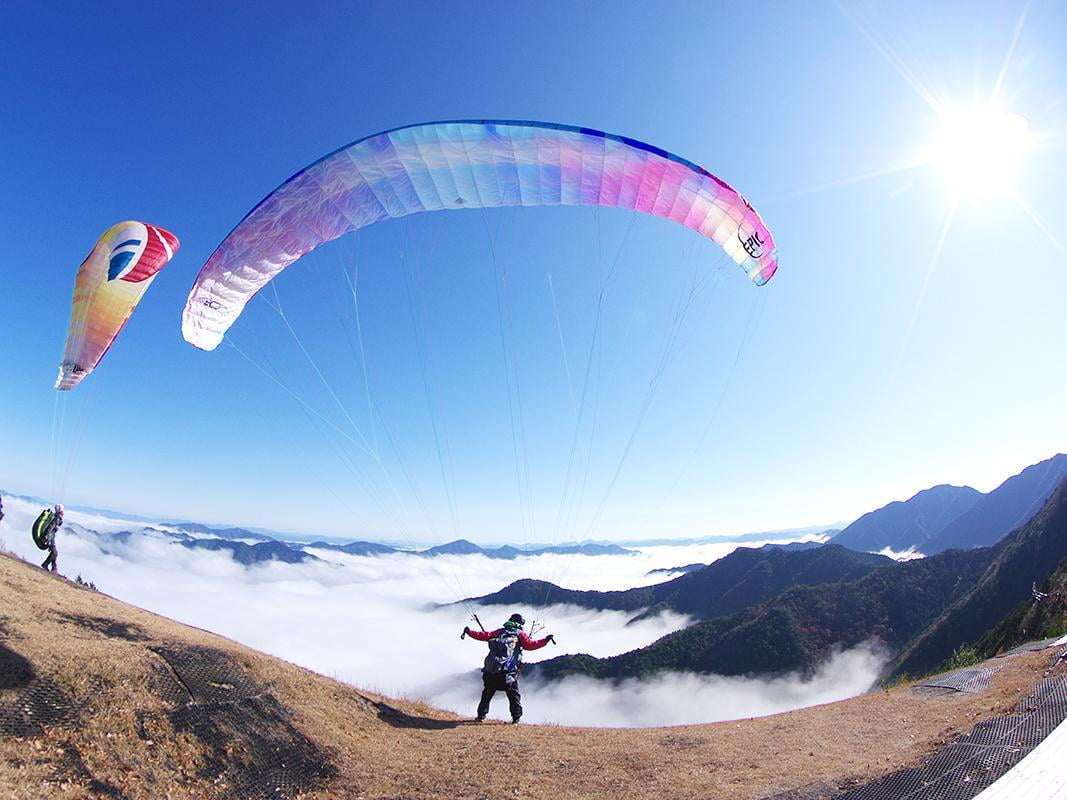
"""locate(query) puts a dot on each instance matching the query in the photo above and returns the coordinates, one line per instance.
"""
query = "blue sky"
(891, 351)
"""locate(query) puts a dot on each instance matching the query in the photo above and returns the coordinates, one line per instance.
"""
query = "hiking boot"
(479, 719)
(515, 720)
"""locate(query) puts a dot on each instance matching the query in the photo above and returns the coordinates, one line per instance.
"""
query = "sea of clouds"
(377, 622)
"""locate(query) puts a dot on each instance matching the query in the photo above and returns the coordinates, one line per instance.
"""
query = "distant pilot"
(45, 528)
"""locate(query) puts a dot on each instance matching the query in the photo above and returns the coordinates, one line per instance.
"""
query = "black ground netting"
(958, 772)
(1029, 647)
(962, 769)
(37, 700)
(1050, 696)
(253, 748)
(1013, 731)
(112, 629)
(210, 675)
(40, 702)
(1009, 731)
(164, 684)
(974, 679)
(935, 691)
(817, 792)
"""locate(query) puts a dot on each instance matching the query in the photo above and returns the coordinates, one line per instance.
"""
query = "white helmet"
(59, 508)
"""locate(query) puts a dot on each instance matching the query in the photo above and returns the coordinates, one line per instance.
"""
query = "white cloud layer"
(683, 698)
(901, 555)
(370, 621)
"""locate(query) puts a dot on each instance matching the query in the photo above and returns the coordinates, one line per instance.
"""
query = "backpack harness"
(44, 530)
(505, 654)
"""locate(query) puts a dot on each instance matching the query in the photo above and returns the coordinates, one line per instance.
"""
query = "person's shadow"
(15, 669)
(401, 719)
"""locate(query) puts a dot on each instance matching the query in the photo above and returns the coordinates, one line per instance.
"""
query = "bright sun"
(980, 150)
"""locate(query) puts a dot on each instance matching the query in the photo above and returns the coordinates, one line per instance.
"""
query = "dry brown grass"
(383, 748)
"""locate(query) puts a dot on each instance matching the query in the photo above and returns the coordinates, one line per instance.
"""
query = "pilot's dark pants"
(500, 682)
(50, 562)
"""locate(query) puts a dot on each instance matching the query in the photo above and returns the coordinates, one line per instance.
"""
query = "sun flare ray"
(904, 165)
(1021, 201)
(1052, 136)
(893, 60)
(1019, 24)
(935, 256)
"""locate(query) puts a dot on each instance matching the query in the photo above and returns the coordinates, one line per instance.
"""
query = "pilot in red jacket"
(500, 672)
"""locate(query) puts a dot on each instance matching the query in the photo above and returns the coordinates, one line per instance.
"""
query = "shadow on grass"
(15, 669)
(112, 629)
(401, 719)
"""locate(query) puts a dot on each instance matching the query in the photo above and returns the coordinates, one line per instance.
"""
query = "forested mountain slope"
(744, 578)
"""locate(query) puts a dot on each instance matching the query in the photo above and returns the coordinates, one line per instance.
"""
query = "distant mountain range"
(223, 533)
(932, 521)
(462, 547)
(355, 548)
(261, 548)
(759, 536)
(922, 610)
(249, 554)
(944, 517)
(242, 552)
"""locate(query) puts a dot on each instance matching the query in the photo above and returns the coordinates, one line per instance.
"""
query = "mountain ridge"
(1010, 505)
(740, 579)
(906, 524)
(945, 516)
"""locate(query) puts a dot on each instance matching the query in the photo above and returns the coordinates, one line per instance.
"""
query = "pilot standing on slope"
(500, 673)
(45, 529)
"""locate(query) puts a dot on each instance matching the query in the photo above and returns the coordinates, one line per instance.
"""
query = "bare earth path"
(102, 699)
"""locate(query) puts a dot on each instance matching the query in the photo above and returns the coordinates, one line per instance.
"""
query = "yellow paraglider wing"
(110, 283)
